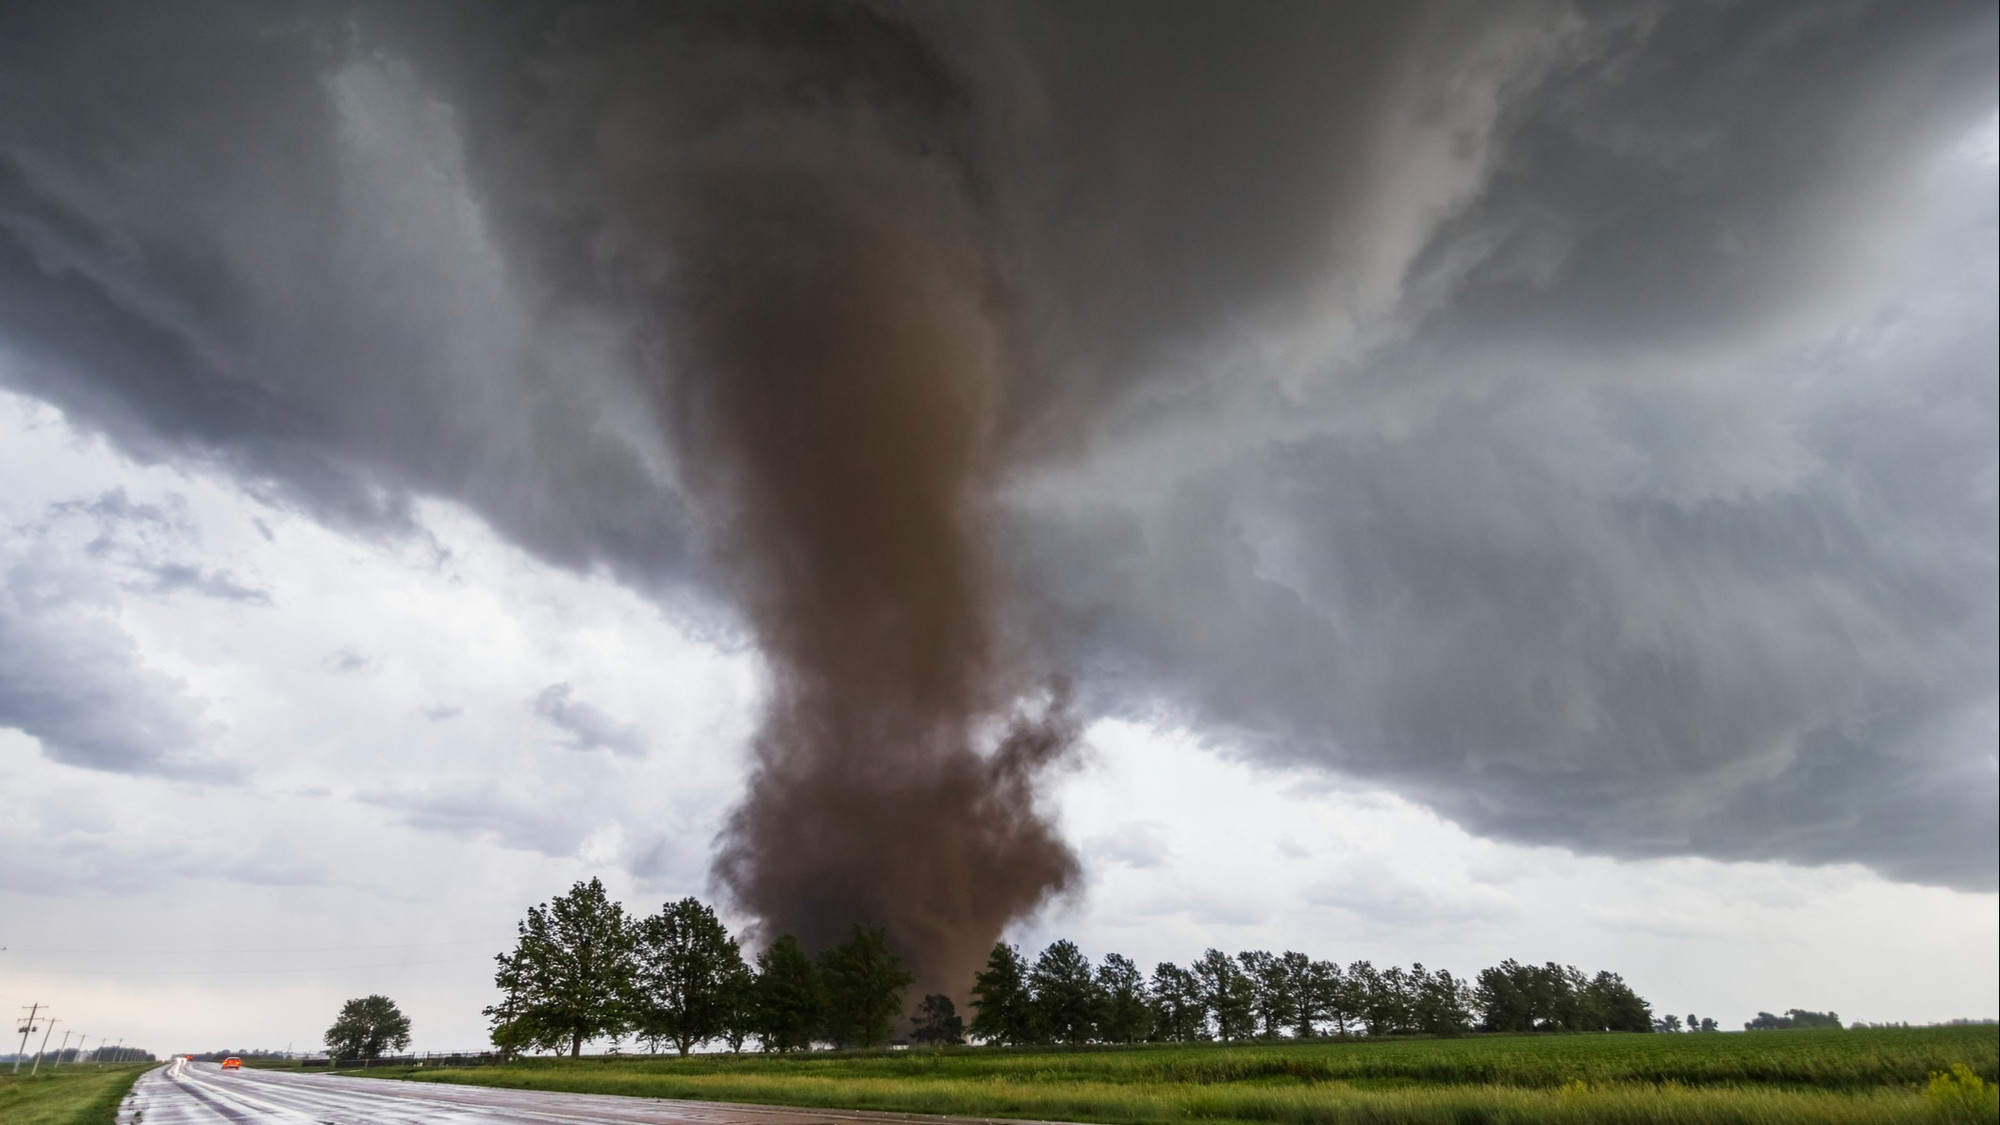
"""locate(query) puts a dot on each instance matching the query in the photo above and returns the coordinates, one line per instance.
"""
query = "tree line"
(70, 1055)
(583, 969)
(1062, 998)
(1794, 1017)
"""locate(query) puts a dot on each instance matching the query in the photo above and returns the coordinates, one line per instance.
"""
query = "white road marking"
(180, 1093)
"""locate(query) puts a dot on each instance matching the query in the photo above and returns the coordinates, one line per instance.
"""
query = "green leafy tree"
(789, 1002)
(1226, 994)
(687, 963)
(936, 1023)
(1551, 997)
(1307, 1008)
(1441, 1004)
(1066, 995)
(513, 1037)
(1517, 997)
(1611, 1005)
(367, 1027)
(1396, 1002)
(511, 1034)
(1179, 1014)
(863, 982)
(1351, 1004)
(570, 976)
(1271, 990)
(1504, 997)
(1004, 1010)
(1376, 1002)
(1124, 1017)
(1327, 995)
(739, 1002)
(1570, 1006)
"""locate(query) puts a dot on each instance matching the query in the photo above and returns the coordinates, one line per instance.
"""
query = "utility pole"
(46, 1029)
(27, 1026)
(60, 1050)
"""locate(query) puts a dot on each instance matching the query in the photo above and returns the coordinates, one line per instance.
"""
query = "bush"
(1961, 1095)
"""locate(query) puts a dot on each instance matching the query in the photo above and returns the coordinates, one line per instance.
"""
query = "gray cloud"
(173, 577)
(281, 271)
(588, 727)
(71, 678)
(537, 825)
(150, 542)
(1542, 612)
(70, 675)
(1145, 844)
(113, 508)
(1579, 418)
(346, 661)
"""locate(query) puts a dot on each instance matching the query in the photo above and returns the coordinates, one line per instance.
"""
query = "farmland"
(71, 1095)
(1832, 1076)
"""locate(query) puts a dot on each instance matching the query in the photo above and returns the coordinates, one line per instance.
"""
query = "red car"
(232, 1063)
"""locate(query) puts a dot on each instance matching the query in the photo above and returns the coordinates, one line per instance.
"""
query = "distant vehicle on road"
(232, 1063)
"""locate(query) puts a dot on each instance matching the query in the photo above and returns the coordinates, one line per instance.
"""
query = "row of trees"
(582, 969)
(1669, 1023)
(70, 1055)
(1063, 998)
(1794, 1017)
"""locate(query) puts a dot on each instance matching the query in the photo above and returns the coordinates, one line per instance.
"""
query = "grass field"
(71, 1095)
(1766, 1077)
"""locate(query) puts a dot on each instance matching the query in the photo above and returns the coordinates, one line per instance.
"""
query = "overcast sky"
(1502, 482)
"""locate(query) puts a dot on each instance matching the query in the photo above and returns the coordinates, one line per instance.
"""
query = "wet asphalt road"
(182, 1093)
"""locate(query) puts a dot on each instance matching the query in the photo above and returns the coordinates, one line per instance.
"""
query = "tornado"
(783, 209)
(836, 398)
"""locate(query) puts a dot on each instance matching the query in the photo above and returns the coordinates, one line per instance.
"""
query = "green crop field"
(1766, 1077)
(70, 1095)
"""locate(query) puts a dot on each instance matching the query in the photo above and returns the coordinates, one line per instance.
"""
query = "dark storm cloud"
(1619, 548)
(1495, 614)
(226, 236)
(1713, 175)
(1578, 417)
(1663, 522)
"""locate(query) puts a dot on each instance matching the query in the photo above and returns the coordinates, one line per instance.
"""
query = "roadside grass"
(70, 1095)
(1876, 1075)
